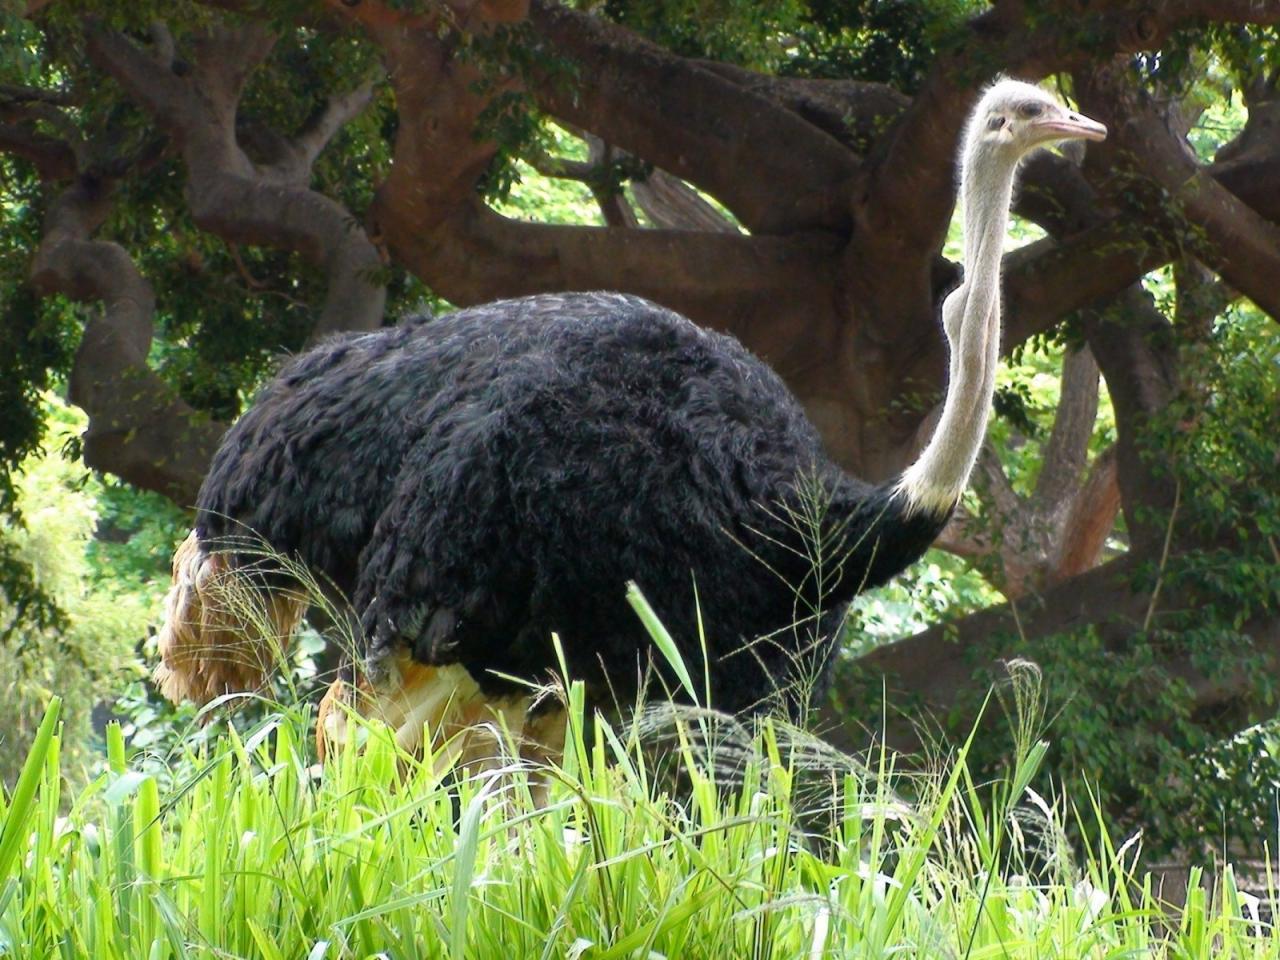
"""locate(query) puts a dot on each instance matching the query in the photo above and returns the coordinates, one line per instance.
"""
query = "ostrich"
(479, 482)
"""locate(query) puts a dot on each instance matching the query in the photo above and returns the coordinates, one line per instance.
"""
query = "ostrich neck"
(971, 320)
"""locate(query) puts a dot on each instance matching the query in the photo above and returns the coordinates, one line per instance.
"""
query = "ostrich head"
(1011, 119)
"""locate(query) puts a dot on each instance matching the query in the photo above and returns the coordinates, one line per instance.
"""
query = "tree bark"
(138, 428)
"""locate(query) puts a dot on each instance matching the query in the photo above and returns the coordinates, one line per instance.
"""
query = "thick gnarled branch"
(232, 196)
(1202, 215)
(725, 281)
(138, 428)
(776, 172)
(433, 222)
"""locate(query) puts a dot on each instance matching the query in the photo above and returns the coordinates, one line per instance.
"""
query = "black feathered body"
(476, 482)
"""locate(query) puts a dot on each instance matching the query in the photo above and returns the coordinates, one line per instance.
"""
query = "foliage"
(225, 313)
(889, 41)
(1125, 727)
(35, 337)
(91, 650)
(250, 853)
(745, 32)
(1219, 438)
(511, 119)
(546, 199)
(936, 588)
(133, 544)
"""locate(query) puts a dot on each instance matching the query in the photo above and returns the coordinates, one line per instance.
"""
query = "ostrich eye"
(1031, 109)
(995, 123)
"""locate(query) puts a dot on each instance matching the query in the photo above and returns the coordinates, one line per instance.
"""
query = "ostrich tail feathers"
(222, 633)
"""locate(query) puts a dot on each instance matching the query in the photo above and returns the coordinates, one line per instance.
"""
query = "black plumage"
(476, 482)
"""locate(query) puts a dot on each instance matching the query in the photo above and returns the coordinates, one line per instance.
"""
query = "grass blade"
(662, 639)
(21, 803)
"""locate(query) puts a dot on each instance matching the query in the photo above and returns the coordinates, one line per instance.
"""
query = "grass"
(249, 853)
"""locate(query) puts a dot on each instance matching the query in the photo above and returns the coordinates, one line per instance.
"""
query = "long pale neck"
(971, 319)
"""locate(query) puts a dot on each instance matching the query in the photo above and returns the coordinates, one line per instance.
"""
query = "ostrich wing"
(308, 467)
(618, 445)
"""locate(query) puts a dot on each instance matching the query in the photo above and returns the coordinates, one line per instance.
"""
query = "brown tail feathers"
(221, 634)
(224, 633)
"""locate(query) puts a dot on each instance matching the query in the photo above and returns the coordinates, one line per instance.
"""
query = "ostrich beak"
(1070, 126)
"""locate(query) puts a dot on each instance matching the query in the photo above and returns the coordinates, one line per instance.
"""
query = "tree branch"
(138, 428)
(610, 198)
(667, 201)
(433, 222)
(740, 146)
(723, 281)
(854, 112)
(338, 112)
(1066, 452)
(1092, 518)
(596, 173)
(52, 158)
(995, 483)
(225, 56)
(244, 210)
(965, 537)
(232, 197)
(562, 168)
(153, 85)
(672, 204)
(1137, 352)
(16, 93)
(1053, 194)
(1222, 229)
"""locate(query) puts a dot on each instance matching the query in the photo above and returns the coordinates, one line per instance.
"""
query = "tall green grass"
(252, 852)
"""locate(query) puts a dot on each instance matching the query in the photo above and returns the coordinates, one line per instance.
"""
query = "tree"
(248, 177)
